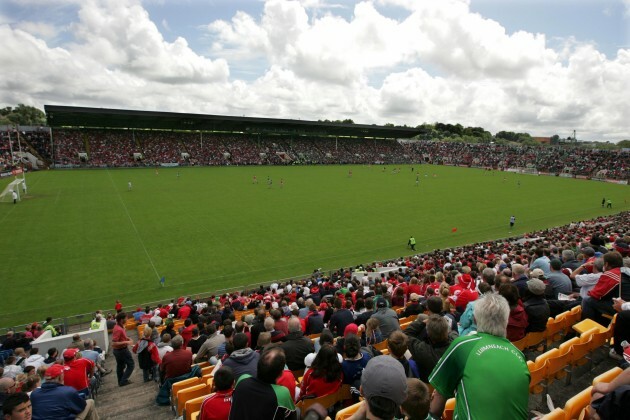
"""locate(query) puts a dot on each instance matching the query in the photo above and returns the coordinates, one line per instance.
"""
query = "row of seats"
(557, 328)
(559, 363)
(577, 406)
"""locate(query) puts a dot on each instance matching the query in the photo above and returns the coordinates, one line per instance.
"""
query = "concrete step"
(134, 401)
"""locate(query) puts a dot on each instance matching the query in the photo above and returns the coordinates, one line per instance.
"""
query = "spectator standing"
(120, 344)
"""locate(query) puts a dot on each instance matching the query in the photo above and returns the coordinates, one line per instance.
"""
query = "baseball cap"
(69, 354)
(351, 328)
(381, 303)
(537, 273)
(536, 286)
(54, 371)
(415, 297)
(385, 377)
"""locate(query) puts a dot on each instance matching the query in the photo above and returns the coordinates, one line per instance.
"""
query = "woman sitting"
(325, 376)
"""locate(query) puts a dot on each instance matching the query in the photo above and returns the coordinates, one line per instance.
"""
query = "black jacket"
(538, 312)
(296, 348)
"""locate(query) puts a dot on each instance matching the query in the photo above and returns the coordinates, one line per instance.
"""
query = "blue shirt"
(54, 401)
(543, 264)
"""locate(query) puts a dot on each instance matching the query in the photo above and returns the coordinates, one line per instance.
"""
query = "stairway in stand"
(134, 401)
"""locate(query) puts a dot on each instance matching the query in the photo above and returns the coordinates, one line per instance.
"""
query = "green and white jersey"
(487, 375)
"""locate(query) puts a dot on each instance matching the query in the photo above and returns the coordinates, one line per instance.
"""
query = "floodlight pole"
(17, 130)
(10, 144)
(52, 147)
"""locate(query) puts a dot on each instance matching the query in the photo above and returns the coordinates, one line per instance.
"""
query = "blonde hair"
(147, 332)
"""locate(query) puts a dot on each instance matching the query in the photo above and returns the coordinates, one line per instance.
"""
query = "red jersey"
(184, 312)
(77, 376)
(319, 387)
(118, 307)
(216, 406)
(186, 334)
(287, 380)
(119, 334)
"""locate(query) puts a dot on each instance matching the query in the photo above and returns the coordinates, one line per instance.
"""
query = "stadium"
(162, 209)
(314, 209)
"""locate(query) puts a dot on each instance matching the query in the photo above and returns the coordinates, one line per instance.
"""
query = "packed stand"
(383, 331)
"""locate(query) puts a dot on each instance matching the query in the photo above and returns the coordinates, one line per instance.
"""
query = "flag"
(454, 230)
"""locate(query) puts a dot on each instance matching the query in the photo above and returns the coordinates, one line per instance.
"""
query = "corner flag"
(454, 230)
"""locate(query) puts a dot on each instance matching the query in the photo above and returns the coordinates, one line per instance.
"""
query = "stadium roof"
(70, 116)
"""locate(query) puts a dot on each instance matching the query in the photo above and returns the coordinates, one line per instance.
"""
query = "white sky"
(540, 66)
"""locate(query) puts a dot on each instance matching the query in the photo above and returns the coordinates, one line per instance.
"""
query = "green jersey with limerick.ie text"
(488, 376)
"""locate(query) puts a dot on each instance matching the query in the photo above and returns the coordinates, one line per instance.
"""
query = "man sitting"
(296, 347)
(17, 406)
(481, 359)
(80, 371)
(600, 299)
(54, 400)
(428, 342)
(384, 387)
(259, 397)
(243, 360)
(217, 405)
(177, 362)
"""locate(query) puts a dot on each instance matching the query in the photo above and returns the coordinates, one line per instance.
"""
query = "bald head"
(294, 324)
(7, 385)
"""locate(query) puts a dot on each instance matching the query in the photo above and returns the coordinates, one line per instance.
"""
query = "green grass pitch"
(80, 239)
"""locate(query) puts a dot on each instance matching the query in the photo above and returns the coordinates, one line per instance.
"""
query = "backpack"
(144, 359)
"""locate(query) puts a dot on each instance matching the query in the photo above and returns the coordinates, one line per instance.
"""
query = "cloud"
(42, 29)
(434, 61)
(125, 38)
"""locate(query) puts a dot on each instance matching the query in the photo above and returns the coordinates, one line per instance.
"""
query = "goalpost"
(7, 193)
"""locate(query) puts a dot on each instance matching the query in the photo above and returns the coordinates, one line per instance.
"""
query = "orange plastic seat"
(326, 401)
(178, 386)
(555, 328)
(202, 364)
(573, 317)
(207, 370)
(449, 409)
(586, 325)
(538, 376)
(577, 403)
(559, 364)
(347, 412)
(381, 346)
(192, 406)
(608, 376)
(557, 414)
(521, 344)
(536, 340)
(188, 394)
(580, 353)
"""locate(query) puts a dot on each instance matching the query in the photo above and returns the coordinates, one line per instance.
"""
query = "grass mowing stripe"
(69, 247)
(133, 225)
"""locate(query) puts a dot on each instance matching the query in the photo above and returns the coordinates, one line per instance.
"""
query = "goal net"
(7, 193)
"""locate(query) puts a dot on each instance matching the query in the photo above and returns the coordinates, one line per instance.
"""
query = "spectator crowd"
(382, 331)
(131, 148)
